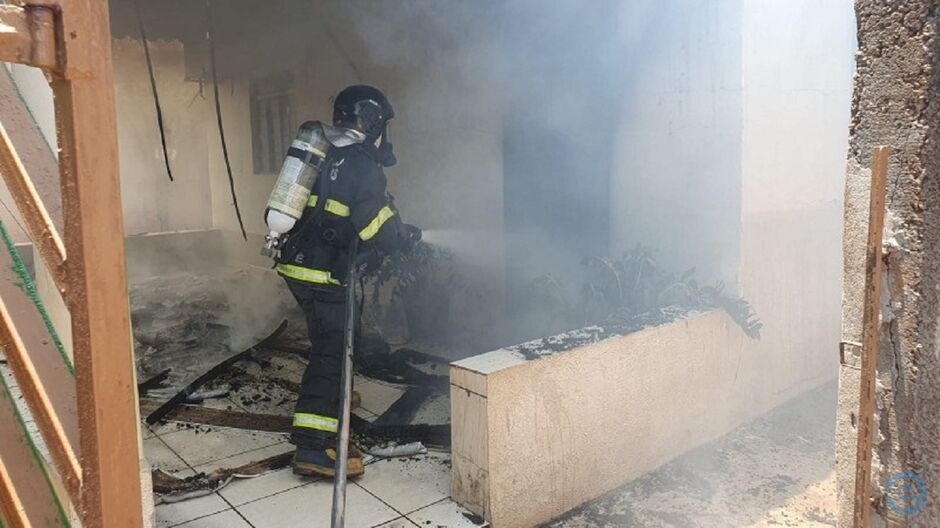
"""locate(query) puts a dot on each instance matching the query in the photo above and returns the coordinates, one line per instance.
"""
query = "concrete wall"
(533, 439)
(897, 103)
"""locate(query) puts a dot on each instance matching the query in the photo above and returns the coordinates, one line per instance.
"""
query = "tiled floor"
(405, 492)
(401, 493)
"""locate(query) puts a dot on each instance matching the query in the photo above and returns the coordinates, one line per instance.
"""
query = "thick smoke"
(523, 149)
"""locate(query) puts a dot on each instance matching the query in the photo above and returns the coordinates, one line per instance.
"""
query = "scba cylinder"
(295, 181)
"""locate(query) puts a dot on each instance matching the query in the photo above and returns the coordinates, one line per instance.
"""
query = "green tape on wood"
(6, 394)
(29, 287)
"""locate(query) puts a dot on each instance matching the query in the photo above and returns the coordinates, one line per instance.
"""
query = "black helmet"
(363, 108)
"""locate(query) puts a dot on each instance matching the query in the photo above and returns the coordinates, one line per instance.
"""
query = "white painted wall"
(676, 175)
(797, 65)
(151, 202)
(743, 107)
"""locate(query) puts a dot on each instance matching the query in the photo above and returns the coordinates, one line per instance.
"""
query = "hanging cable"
(218, 115)
(153, 88)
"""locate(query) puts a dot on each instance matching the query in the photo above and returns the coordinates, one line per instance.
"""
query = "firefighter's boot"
(320, 462)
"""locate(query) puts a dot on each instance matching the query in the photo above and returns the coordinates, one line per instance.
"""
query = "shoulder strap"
(328, 173)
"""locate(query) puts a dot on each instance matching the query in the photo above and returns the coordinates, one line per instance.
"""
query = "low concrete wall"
(533, 439)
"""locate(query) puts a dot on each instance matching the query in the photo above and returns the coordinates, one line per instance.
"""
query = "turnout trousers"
(316, 415)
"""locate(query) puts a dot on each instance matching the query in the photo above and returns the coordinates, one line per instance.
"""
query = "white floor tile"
(180, 512)
(162, 457)
(222, 404)
(445, 513)
(408, 484)
(199, 445)
(169, 427)
(226, 519)
(242, 491)
(377, 396)
(310, 507)
(401, 522)
(255, 455)
(364, 414)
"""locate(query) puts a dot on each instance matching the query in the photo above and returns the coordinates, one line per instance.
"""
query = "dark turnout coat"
(357, 205)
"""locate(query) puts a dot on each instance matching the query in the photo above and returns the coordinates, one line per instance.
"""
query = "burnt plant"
(422, 282)
(634, 291)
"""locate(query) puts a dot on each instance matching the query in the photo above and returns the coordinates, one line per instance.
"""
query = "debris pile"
(193, 375)
(186, 323)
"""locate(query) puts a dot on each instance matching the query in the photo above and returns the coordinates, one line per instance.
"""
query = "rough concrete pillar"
(896, 103)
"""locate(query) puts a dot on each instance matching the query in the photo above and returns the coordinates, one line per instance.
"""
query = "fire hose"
(342, 442)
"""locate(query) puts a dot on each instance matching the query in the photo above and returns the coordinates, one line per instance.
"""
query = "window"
(272, 122)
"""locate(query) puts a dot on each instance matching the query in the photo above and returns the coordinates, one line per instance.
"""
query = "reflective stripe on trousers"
(316, 421)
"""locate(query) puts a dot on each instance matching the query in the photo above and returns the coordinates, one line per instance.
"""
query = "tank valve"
(272, 244)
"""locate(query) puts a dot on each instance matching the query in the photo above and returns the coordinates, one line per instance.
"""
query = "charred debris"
(199, 367)
(622, 295)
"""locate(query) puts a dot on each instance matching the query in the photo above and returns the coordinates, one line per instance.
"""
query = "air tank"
(294, 183)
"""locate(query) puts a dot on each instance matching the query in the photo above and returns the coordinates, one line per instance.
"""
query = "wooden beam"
(94, 237)
(871, 330)
(199, 414)
(27, 36)
(27, 496)
(42, 371)
(38, 223)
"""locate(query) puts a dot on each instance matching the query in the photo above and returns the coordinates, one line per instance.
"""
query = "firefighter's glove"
(412, 235)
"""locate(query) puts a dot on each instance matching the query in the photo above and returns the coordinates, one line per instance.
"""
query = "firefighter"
(348, 200)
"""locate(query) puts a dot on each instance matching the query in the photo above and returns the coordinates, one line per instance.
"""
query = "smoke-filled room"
(620, 263)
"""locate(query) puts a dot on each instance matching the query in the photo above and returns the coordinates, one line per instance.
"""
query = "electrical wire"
(153, 88)
(218, 115)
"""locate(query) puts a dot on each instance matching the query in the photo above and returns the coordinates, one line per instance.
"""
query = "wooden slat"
(41, 371)
(871, 329)
(94, 235)
(35, 152)
(27, 497)
(27, 36)
(34, 213)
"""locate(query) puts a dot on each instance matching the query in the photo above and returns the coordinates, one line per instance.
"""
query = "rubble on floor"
(256, 390)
